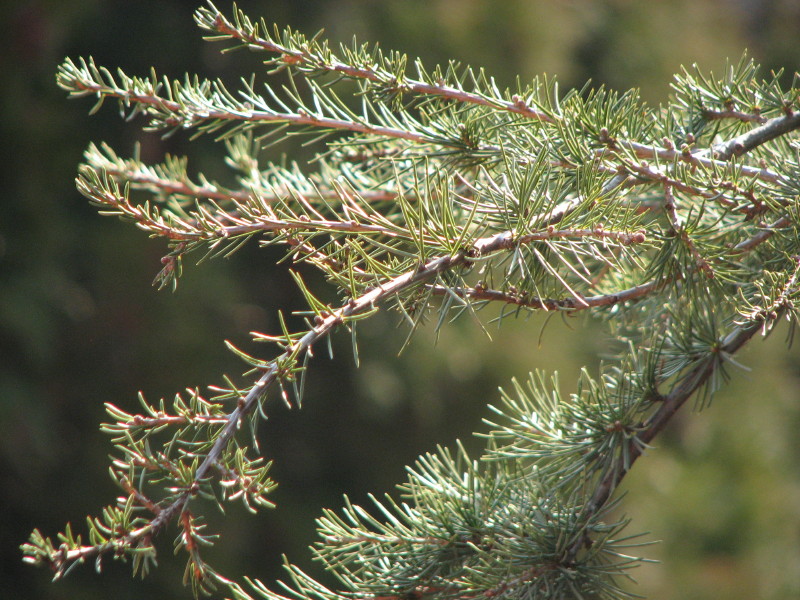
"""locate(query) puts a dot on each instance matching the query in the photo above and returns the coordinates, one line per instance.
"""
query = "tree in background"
(484, 162)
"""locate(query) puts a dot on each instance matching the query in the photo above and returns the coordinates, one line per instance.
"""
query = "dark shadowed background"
(80, 324)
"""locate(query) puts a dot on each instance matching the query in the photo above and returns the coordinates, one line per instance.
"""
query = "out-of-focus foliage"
(80, 326)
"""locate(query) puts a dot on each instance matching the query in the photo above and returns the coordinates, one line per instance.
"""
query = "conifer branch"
(445, 193)
(696, 159)
(754, 117)
(762, 319)
(678, 229)
(167, 179)
(763, 235)
(760, 135)
(670, 403)
(278, 367)
(213, 105)
(309, 56)
(522, 299)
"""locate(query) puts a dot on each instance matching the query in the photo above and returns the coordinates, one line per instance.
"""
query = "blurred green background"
(80, 324)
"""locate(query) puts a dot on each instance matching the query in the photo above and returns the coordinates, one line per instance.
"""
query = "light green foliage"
(438, 191)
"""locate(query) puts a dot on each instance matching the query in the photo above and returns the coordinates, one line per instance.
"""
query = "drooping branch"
(60, 559)
(279, 367)
(327, 323)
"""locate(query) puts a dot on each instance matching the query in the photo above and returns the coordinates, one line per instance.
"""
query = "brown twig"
(679, 229)
(689, 157)
(762, 236)
(715, 115)
(755, 137)
(479, 292)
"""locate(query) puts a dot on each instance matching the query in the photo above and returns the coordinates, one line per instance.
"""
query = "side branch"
(276, 368)
(481, 293)
(141, 179)
(327, 323)
(770, 130)
(206, 103)
(167, 180)
(714, 115)
(162, 185)
(669, 406)
(60, 559)
(307, 58)
(222, 225)
(693, 158)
